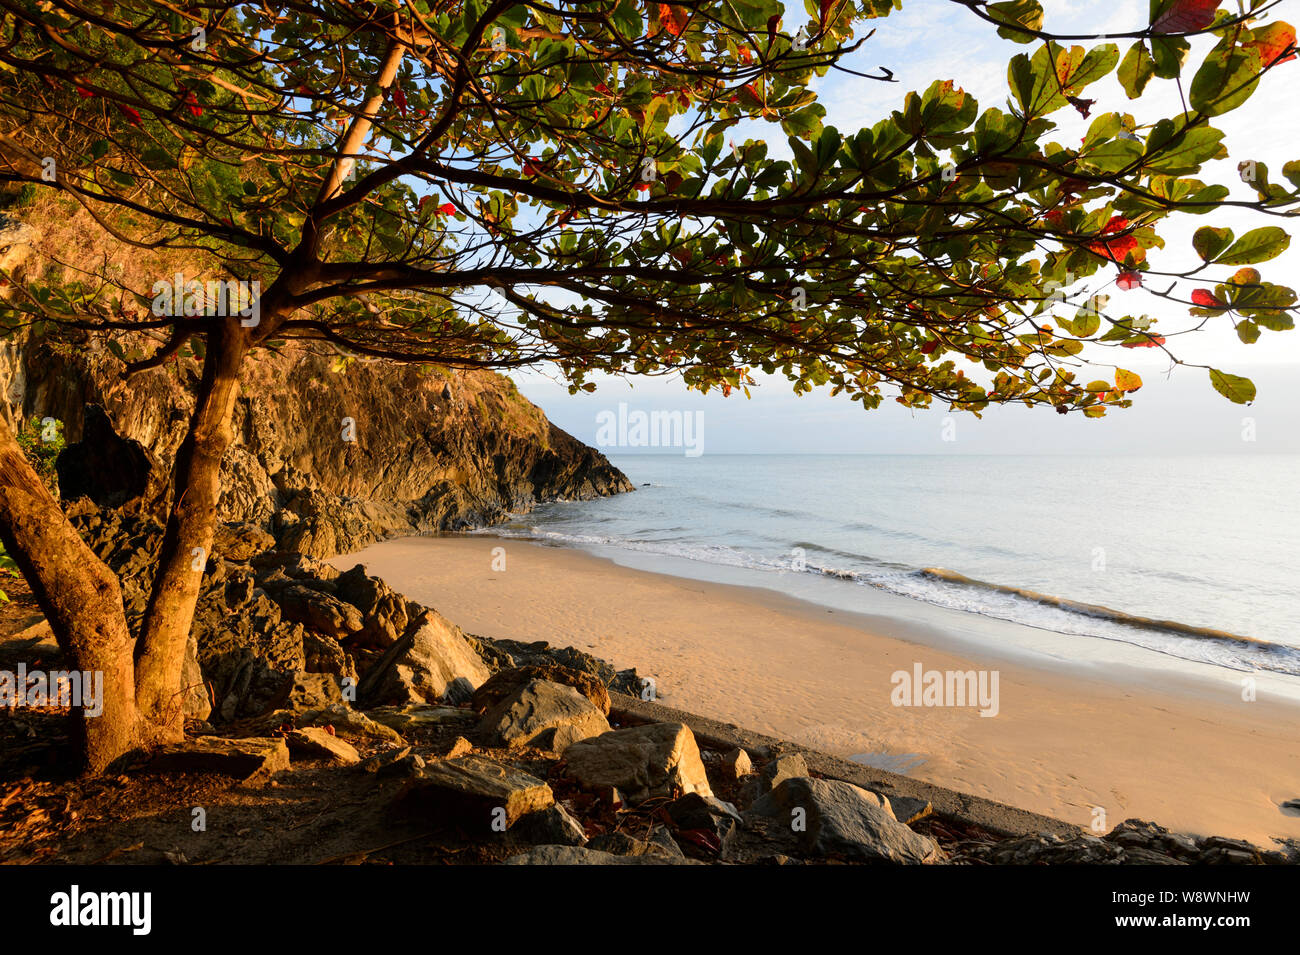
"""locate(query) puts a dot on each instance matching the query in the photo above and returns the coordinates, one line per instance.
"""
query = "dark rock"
(250, 760)
(313, 742)
(835, 818)
(580, 855)
(657, 842)
(317, 611)
(551, 826)
(103, 466)
(473, 794)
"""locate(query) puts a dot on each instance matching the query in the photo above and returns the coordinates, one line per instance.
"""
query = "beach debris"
(835, 818)
(659, 759)
(543, 714)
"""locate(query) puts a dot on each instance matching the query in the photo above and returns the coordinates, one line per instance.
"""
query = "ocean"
(1195, 557)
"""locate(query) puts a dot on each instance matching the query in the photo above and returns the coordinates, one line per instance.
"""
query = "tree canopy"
(497, 183)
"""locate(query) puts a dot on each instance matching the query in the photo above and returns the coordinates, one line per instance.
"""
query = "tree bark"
(160, 653)
(81, 599)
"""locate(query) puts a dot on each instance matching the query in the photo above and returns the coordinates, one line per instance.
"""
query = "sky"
(1174, 412)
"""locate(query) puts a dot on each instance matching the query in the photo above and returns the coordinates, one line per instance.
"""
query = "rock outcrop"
(326, 460)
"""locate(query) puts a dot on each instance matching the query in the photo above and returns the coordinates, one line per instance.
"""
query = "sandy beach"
(1070, 742)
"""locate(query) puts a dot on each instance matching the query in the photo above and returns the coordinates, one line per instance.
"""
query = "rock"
(309, 691)
(657, 842)
(542, 714)
(908, 810)
(314, 742)
(103, 466)
(418, 668)
(737, 764)
(251, 760)
(551, 826)
(660, 759)
(506, 682)
(473, 793)
(318, 611)
(844, 821)
(459, 692)
(578, 855)
(383, 610)
(512, 654)
(459, 747)
(709, 813)
(403, 719)
(784, 766)
(346, 721)
(397, 761)
(241, 541)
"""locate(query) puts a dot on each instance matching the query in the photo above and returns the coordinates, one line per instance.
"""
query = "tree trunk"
(160, 654)
(81, 599)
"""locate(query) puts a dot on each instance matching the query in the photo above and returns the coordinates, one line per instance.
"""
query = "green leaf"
(1136, 70)
(1257, 245)
(1248, 332)
(1209, 242)
(1023, 13)
(1225, 80)
(1236, 389)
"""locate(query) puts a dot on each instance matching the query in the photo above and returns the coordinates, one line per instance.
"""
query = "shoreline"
(1071, 734)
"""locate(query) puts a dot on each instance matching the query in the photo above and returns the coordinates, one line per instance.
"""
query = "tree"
(495, 184)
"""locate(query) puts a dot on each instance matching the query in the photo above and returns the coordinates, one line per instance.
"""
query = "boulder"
(660, 759)
(473, 794)
(657, 842)
(551, 826)
(240, 541)
(313, 742)
(318, 611)
(506, 682)
(383, 610)
(835, 818)
(308, 691)
(251, 760)
(737, 764)
(542, 714)
(418, 668)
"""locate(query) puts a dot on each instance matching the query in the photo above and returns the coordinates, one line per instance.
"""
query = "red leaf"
(1117, 249)
(1186, 16)
(1207, 299)
(929, 347)
(447, 209)
(83, 92)
(192, 103)
(399, 100)
(131, 115)
(1272, 41)
(1129, 280)
(825, 9)
(772, 23)
(1147, 343)
(673, 19)
(530, 169)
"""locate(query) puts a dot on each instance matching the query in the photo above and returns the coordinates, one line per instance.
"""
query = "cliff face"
(328, 461)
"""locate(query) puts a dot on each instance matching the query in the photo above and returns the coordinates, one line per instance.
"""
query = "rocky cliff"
(326, 459)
